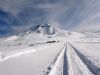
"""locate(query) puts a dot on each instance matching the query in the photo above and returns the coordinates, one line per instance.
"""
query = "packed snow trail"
(65, 64)
(92, 67)
(58, 67)
(69, 63)
(76, 65)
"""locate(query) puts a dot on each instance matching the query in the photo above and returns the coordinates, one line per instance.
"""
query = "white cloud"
(86, 10)
(87, 28)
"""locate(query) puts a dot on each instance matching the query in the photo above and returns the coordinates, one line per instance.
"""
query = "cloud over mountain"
(72, 15)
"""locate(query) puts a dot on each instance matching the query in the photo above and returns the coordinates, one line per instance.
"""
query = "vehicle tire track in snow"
(75, 64)
(60, 67)
(70, 62)
(65, 64)
(91, 66)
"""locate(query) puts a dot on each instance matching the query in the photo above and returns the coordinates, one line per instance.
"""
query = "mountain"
(42, 33)
(44, 29)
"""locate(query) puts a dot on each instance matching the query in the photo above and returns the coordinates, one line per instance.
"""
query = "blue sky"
(74, 15)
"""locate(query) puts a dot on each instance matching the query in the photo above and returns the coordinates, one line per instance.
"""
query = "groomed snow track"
(71, 62)
(91, 66)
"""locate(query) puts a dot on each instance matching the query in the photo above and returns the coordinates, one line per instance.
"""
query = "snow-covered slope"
(42, 34)
(45, 50)
(44, 29)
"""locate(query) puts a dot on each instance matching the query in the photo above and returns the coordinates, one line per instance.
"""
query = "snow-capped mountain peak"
(43, 32)
(44, 29)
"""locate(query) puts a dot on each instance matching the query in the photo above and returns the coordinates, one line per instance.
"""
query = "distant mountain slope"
(40, 29)
(42, 33)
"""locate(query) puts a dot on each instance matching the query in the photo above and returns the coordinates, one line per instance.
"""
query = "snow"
(76, 65)
(90, 50)
(58, 66)
(32, 63)
(45, 50)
